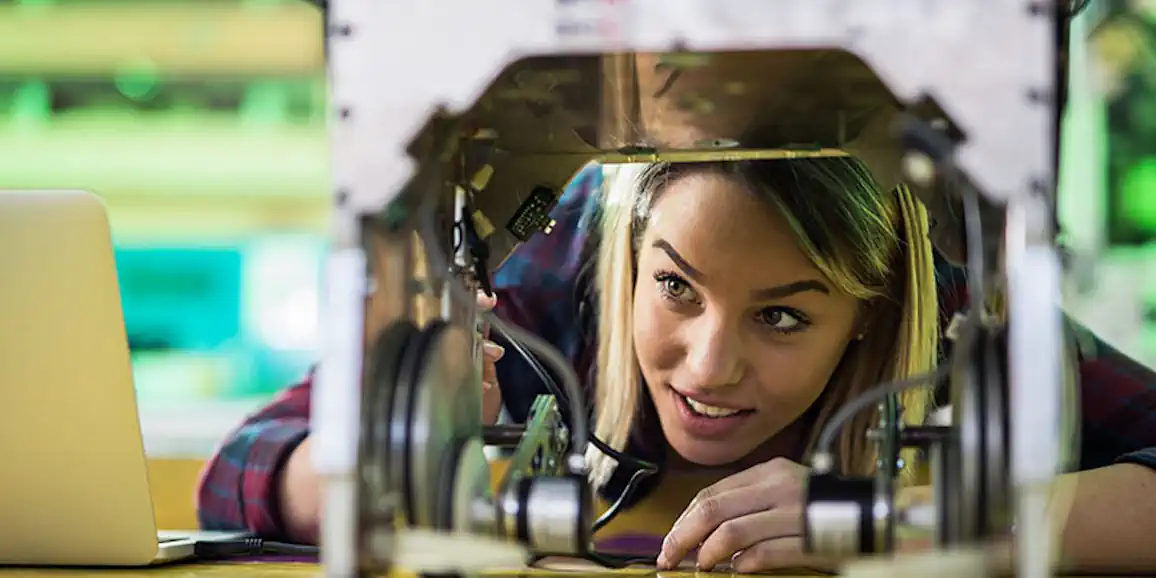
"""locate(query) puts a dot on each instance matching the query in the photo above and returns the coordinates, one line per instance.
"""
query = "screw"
(1038, 187)
(1038, 96)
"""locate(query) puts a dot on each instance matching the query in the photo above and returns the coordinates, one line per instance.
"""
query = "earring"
(859, 337)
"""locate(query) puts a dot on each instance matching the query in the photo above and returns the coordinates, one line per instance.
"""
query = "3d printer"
(447, 114)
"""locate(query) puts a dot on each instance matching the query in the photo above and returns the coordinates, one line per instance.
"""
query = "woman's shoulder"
(543, 287)
(951, 284)
(555, 259)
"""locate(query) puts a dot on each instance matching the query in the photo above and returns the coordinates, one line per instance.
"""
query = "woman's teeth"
(709, 410)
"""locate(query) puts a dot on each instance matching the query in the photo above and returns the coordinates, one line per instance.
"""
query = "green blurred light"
(32, 103)
(138, 80)
(266, 103)
(1138, 194)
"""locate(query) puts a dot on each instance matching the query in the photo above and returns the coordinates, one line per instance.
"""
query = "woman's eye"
(782, 320)
(674, 287)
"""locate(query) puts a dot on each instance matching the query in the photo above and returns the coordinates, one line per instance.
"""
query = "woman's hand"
(491, 353)
(753, 520)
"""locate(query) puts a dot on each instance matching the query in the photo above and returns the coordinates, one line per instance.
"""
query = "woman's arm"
(262, 480)
(299, 497)
(267, 465)
(1108, 524)
(239, 487)
(1111, 527)
(541, 289)
(1112, 521)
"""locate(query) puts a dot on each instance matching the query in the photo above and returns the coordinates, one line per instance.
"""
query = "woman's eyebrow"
(694, 274)
(770, 293)
(781, 291)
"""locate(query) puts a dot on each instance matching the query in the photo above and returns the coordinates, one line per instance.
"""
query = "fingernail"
(493, 350)
(486, 301)
(488, 385)
(661, 561)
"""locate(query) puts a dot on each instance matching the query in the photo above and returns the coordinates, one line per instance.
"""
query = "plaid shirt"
(544, 287)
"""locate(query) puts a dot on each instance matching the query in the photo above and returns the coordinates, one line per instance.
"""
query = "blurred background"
(218, 189)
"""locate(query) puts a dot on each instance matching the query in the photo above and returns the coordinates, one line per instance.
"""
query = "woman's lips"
(704, 426)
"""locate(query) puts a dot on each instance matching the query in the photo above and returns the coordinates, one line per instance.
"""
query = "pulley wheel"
(981, 407)
(383, 365)
(437, 405)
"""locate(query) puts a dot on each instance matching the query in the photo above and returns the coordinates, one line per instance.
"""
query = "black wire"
(217, 549)
(1076, 6)
(440, 264)
(459, 236)
(940, 152)
(620, 561)
(608, 560)
(641, 473)
(522, 341)
(865, 400)
(644, 469)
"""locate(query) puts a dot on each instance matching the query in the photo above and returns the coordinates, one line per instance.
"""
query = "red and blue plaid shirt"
(544, 287)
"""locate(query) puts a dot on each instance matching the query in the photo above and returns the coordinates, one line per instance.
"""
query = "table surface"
(301, 570)
(635, 531)
(286, 568)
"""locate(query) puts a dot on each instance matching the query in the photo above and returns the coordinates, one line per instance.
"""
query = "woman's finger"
(781, 474)
(489, 369)
(491, 402)
(780, 554)
(492, 351)
(777, 483)
(706, 514)
(486, 302)
(739, 534)
(491, 394)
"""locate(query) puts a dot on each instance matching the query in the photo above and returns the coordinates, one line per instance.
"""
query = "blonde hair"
(869, 243)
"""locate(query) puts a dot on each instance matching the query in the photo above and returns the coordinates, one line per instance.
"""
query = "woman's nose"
(714, 354)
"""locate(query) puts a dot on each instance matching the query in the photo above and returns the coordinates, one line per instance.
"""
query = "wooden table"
(648, 519)
(297, 570)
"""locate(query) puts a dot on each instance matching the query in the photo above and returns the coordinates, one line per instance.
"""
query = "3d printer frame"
(406, 140)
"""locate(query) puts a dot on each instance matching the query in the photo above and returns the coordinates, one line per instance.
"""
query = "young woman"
(719, 313)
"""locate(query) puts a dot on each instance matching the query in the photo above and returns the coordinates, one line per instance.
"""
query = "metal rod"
(503, 435)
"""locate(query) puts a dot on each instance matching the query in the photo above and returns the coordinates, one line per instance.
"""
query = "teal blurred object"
(220, 324)
(185, 299)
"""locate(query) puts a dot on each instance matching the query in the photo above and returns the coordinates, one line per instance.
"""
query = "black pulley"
(839, 515)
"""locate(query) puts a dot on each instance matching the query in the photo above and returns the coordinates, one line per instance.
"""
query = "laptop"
(74, 489)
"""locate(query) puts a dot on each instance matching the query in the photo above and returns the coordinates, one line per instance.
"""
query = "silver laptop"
(75, 488)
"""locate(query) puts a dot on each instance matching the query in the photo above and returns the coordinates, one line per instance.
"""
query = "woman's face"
(737, 332)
